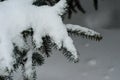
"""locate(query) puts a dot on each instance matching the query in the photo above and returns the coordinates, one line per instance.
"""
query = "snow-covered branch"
(82, 31)
(25, 29)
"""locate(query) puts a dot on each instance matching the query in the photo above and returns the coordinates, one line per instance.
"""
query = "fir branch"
(95, 4)
(2, 77)
(28, 32)
(84, 32)
(1, 1)
(84, 35)
(69, 55)
(73, 4)
(46, 46)
(79, 6)
(37, 59)
(6, 78)
(19, 57)
(40, 2)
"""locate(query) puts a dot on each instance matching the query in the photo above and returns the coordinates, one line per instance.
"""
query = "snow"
(19, 15)
(28, 65)
(92, 62)
(111, 69)
(87, 45)
(85, 74)
(106, 77)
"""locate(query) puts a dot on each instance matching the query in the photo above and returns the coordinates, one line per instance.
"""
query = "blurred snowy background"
(98, 60)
